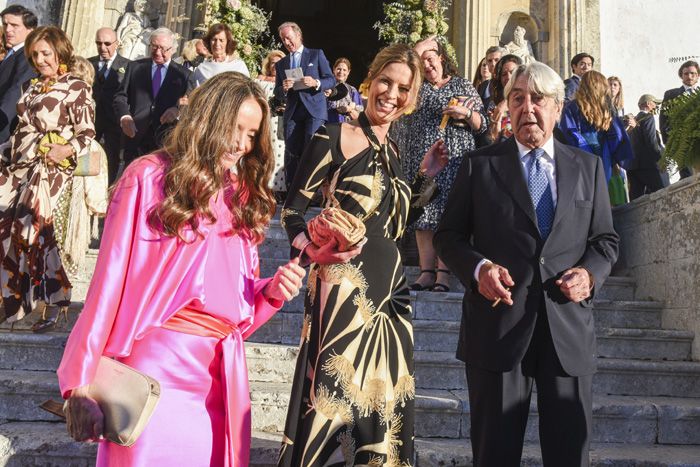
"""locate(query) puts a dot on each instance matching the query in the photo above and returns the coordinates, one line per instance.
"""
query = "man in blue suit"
(17, 23)
(306, 108)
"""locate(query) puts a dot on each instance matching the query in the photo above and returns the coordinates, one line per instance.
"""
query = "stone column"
(567, 19)
(80, 19)
(470, 33)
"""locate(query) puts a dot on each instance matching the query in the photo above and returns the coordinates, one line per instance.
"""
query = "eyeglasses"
(106, 44)
(155, 48)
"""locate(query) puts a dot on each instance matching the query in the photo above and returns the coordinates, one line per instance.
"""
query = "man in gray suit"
(528, 229)
(17, 23)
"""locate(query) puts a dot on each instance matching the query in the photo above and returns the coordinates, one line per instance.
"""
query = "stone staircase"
(646, 404)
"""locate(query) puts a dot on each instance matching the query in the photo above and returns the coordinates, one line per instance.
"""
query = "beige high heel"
(48, 324)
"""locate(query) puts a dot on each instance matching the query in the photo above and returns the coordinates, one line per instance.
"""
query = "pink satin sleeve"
(264, 307)
(89, 336)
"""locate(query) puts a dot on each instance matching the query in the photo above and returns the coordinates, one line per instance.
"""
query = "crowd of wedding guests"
(507, 181)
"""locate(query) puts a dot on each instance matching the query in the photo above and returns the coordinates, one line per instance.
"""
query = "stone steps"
(47, 445)
(24, 350)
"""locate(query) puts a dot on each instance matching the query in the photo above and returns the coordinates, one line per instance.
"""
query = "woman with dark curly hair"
(176, 288)
(222, 46)
(56, 124)
(439, 116)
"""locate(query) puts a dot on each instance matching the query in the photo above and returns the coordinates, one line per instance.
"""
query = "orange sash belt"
(234, 377)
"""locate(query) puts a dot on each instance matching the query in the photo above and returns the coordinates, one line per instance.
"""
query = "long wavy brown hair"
(593, 98)
(205, 132)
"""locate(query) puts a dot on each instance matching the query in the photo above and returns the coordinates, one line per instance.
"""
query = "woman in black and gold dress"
(353, 394)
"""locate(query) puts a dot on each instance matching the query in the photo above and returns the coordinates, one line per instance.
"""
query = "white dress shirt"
(550, 168)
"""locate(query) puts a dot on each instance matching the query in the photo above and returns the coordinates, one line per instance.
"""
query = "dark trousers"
(643, 182)
(111, 139)
(500, 404)
(297, 133)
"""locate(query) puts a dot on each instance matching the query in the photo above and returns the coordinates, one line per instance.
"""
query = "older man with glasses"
(146, 103)
(110, 69)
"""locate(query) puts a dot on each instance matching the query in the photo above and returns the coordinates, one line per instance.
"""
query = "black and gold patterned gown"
(353, 394)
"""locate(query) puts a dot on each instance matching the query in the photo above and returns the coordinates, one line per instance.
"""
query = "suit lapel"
(568, 170)
(510, 171)
(304, 59)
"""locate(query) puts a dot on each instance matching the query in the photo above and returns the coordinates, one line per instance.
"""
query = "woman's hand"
(58, 152)
(84, 418)
(435, 159)
(457, 112)
(286, 282)
(329, 254)
(497, 115)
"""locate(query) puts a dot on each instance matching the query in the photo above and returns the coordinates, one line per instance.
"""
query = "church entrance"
(341, 29)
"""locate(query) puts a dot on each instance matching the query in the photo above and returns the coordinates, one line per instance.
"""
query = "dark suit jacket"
(103, 91)
(489, 214)
(663, 119)
(135, 96)
(484, 92)
(645, 143)
(14, 71)
(571, 85)
(314, 64)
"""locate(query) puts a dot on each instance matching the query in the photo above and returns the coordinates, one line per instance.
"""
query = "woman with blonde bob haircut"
(589, 122)
(176, 289)
(356, 358)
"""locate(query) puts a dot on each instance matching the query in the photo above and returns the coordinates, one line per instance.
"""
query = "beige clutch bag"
(127, 399)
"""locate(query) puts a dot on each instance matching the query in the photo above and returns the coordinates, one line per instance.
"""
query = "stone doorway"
(341, 29)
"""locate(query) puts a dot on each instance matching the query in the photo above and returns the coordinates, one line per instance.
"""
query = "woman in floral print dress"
(421, 129)
(33, 175)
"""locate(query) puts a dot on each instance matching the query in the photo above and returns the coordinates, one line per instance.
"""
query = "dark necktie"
(540, 192)
(157, 77)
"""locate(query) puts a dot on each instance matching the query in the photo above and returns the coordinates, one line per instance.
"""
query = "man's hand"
(128, 126)
(575, 284)
(170, 115)
(287, 84)
(310, 82)
(493, 280)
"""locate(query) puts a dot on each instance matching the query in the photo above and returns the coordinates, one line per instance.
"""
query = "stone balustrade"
(660, 249)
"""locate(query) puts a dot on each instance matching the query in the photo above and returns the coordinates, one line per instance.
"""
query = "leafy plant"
(410, 21)
(250, 26)
(683, 146)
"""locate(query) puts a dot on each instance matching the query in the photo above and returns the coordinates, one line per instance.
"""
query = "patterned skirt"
(353, 395)
(30, 263)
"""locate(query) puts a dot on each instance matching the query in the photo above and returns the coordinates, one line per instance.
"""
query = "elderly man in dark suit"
(643, 170)
(307, 108)
(688, 73)
(146, 103)
(17, 23)
(110, 69)
(528, 226)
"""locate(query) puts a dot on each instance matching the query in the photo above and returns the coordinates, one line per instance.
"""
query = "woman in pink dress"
(178, 258)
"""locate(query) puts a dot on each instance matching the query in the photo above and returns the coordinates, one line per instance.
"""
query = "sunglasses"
(106, 44)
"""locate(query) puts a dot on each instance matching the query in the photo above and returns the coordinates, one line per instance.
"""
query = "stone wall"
(660, 249)
(48, 11)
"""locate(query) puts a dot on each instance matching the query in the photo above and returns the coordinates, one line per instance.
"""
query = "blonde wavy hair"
(593, 98)
(619, 100)
(205, 132)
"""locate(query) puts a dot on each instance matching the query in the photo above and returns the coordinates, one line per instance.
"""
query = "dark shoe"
(439, 287)
(418, 287)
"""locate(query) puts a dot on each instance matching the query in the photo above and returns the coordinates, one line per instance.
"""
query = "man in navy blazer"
(110, 69)
(688, 72)
(147, 101)
(306, 108)
(528, 226)
(17, 23)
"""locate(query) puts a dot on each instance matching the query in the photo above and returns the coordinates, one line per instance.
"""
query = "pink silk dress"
(141, 280)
